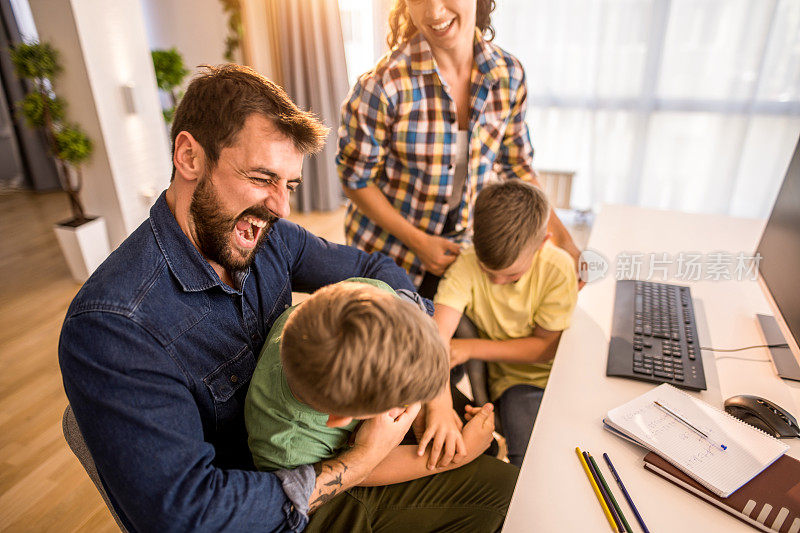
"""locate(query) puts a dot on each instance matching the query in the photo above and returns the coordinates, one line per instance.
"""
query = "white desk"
(552, 492)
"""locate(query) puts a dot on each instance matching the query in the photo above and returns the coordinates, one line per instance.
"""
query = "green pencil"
(610, 495)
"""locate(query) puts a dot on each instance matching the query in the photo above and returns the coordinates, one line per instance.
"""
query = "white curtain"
(676, 104)
(299, 45)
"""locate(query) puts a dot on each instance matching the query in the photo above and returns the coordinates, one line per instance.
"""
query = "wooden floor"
(42, 485)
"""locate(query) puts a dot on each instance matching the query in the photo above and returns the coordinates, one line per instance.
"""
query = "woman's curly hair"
(401, 29)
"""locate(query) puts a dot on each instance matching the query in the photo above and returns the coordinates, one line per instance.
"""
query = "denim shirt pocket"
(228, 387)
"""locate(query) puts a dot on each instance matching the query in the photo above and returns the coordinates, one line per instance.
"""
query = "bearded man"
(158, 347)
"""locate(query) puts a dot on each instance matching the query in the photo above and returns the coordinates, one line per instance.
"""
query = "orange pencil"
(596, 489)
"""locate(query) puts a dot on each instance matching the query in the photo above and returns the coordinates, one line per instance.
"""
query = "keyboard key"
(666, 375)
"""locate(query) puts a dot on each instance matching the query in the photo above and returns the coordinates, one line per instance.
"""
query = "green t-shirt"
(282, 431)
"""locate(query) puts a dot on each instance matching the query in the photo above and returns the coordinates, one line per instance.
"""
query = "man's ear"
(189, 157)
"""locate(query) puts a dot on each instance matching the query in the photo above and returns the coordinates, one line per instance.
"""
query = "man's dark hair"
(219, 100)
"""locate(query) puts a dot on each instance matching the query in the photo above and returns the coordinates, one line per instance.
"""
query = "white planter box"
(84, 247)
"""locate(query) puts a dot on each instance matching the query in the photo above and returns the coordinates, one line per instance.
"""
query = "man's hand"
(373, 441)
(459, 351)
(436, 253)
(381, 434)
(443, 431)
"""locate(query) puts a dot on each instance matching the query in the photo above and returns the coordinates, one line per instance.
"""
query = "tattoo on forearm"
(335, 470)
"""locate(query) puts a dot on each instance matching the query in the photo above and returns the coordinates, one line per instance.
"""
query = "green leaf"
(35, 60)
(169, 68)
(33, 106)
(72, 145)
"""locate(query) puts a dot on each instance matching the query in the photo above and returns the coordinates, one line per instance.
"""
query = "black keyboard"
(654, 335)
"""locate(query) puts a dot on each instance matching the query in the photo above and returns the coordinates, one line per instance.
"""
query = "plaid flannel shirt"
(398, 132)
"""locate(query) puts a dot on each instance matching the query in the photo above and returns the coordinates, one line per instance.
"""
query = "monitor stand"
(782, 357)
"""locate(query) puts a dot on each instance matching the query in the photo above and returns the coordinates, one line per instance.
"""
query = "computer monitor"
(779, 273)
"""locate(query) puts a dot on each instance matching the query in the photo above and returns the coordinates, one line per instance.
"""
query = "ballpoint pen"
(688, 424)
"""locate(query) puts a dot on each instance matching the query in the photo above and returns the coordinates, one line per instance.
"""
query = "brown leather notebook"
(769, 502)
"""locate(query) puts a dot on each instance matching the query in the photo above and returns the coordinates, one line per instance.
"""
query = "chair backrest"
(74, 438)
(557, 185)
(477, 371)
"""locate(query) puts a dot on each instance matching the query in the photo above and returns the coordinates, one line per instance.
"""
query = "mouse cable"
(782, 345)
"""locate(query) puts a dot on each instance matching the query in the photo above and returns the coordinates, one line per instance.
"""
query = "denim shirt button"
(234, 378)
(286, 306)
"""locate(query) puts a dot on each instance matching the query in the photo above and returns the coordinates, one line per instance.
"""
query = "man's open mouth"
(248, 229)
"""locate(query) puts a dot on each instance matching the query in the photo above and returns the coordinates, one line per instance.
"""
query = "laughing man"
(159, 345)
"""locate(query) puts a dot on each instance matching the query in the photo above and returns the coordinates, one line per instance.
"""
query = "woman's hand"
(436, 253)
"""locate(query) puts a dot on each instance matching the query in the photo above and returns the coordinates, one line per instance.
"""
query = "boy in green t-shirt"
(352, 351)
(520, 291)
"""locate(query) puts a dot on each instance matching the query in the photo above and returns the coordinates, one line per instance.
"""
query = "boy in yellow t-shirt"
(520, 291)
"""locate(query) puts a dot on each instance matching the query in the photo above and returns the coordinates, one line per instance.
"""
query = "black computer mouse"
(764, 415)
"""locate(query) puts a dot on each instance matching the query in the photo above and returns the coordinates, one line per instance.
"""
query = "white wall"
(197, 28)
(103, 46)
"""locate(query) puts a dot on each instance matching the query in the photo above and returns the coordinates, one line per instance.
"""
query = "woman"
(441, 115)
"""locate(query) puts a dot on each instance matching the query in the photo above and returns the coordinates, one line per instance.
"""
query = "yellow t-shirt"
(545, 295)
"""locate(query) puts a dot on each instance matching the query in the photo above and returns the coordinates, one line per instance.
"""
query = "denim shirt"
(156, 355)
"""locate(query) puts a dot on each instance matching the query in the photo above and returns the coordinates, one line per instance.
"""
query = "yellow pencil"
(596, 489)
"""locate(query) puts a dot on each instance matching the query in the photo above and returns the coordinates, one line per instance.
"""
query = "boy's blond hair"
(353, 349)
(509, 216)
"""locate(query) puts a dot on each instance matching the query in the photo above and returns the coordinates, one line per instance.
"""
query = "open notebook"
(749, 450)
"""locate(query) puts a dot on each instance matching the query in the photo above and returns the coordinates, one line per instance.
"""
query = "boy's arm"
(442, 425)
(403, 464)
(446, 319)
(539, 347)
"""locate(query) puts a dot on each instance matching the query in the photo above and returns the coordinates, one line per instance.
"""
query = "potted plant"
(83, 238)
(170, 72)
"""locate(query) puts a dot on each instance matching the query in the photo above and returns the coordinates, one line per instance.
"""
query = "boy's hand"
(443, 431)
(470, 411)
(459, 351)
(381, 434)
(478, 429)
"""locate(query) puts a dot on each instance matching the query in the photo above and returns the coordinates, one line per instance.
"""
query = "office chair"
(74, 438)
(477, 371)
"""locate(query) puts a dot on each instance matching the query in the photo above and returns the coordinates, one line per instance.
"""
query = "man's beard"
(214, 229)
